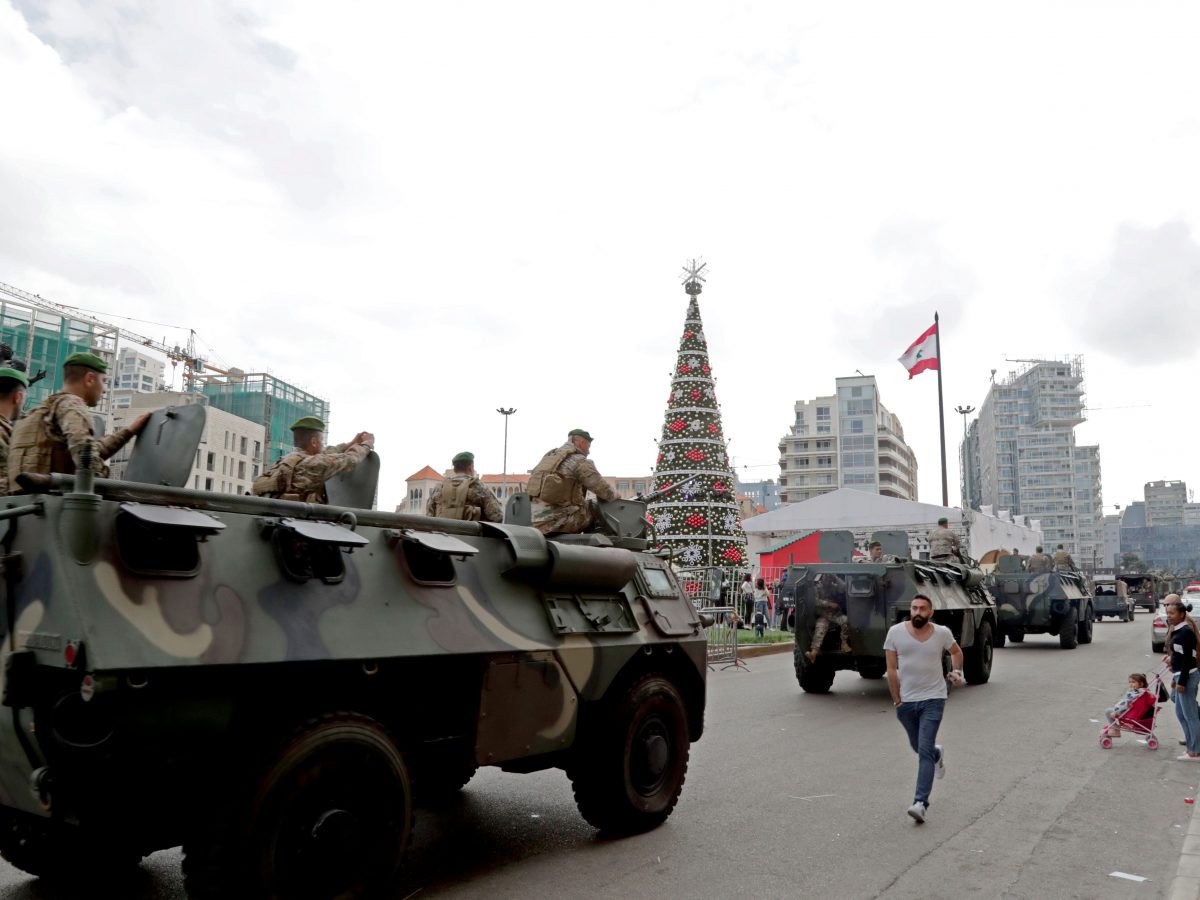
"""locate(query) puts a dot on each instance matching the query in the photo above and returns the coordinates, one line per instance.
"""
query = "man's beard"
(919, 621)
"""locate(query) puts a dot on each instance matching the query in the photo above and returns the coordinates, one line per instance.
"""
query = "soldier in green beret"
(13, 385)
(463, 496)
(54, 436)
(301, 475)
(558, 487)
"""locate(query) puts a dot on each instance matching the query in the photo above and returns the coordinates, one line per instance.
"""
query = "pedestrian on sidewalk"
(762, 601)
(914, 672)
(1186, 677)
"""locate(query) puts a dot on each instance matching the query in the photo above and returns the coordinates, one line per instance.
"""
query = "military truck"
(1110, 598)
(872, 597)
(1056, 603)
(271, 683)
(1147, 590)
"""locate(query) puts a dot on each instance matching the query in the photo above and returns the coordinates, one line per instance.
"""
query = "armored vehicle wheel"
(977, 659)
(437, 777)
(628, 777)
(872, 669)
(1068, 631)
(331, 817)
(1085, 627)
(814, 677)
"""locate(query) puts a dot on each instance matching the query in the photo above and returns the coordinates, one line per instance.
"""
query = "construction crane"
(193, 365)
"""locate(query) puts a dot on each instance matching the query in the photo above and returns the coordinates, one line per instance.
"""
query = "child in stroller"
(1136, 712)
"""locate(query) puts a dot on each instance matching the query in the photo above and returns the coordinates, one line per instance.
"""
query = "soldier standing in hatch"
(943, 543)
(559, 484)
(13, 385)
(55, 436)
(463, 496)
(1038, 563)
(1063, 561)
(301, 475)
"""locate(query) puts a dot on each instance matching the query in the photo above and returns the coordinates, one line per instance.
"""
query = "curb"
(749, 651)
(1186, 885)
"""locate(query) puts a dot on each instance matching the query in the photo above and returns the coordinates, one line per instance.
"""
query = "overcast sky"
(426, 211)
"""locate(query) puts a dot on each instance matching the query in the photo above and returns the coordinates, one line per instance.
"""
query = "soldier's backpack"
(452, 501)
(546, 484)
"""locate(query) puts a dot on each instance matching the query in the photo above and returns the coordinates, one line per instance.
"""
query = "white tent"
(863, 513)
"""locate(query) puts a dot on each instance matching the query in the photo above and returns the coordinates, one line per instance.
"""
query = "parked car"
(1158, 630)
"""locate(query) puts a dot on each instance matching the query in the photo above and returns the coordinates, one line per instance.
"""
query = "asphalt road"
(795, 795)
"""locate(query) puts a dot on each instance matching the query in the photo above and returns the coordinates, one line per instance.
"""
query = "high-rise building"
(1165, 502)
(265, 399)
(137, 371)
(43, 339)
(848, 439)
(759, 493)
(1020, 456)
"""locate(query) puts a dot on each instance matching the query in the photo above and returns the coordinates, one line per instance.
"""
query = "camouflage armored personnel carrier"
(1040, 603)
(269, 683)
(869, 598)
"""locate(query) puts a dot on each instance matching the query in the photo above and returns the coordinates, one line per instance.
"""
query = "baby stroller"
(1141, 716)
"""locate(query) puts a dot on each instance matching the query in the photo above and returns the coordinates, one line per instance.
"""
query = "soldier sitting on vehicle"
(1039, 563)
(1063, 561)
(558, 487)
(463, 496)
(301, 475)
(875, 554)
(829, 613)
(943, 543)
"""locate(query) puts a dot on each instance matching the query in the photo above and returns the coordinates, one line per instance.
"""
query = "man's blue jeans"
(921, 719)
(1186, 712)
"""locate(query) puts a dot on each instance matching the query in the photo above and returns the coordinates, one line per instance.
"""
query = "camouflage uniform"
(474, 502)
(1063, 561)
(558, 487)
(829, 612)
(943, 544)
(52, 437)
(302, 476)
(1039, 563)
(5, 437)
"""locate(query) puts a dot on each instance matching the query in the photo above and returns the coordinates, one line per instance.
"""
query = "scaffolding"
(261, 397)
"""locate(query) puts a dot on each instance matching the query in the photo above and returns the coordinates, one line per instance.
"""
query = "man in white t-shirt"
(914, 672)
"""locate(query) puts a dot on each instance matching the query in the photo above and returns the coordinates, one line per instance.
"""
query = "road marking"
(813, 797)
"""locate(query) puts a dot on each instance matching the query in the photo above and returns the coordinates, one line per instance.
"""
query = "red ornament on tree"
(732, 555)
(695, 455)
(712, 428)
(678, 425)
(705, 369)
(684, 368)
(695, 520)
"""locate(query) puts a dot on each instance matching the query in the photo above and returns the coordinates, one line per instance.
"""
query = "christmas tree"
(700, 521)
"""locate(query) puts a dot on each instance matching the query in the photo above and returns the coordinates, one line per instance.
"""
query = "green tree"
(1132, 563)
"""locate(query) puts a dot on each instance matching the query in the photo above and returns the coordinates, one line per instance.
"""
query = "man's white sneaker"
(939, 767)
(917, 811)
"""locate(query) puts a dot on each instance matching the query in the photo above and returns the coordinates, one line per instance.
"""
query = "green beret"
(943, 521)
(16, 375)
(465, 456)
(91, 360)
(579, 432)
(310, 422)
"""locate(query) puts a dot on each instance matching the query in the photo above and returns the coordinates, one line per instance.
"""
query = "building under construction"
(43, 334)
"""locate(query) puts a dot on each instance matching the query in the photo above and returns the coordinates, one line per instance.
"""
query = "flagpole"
(941, 411)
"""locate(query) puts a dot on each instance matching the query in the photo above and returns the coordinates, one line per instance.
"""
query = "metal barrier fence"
(722, 637)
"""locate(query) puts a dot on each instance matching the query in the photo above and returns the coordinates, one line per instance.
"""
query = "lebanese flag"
(923, 354)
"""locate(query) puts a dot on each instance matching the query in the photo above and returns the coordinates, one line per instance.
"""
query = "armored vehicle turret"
(269, 683)
(860, 601)
(1056, 603)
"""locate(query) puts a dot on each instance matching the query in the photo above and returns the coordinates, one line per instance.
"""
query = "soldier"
(559, 483)
(1038, 563)
(829, 614)
(463, 496)
(943, 543)
(301, 475)
(1063, 561)
(13, 385)
(54, 436)
(875, 554)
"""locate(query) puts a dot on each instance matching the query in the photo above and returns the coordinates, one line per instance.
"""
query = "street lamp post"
(506, 413)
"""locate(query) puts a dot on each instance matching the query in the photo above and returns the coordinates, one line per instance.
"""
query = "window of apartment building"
(639, 486)
(254, 471)
(858, 460)
(824, 445)
(824, 479)
(801, 463)
(211, 466)
(824, 461)
(622, 485)
(257, 449)
(801, 445)
(822, 413)
(224, 465)
(208, 484)
(227, 440)
(245, 441)
(196, 482)
(241, 469)
(858, 478)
